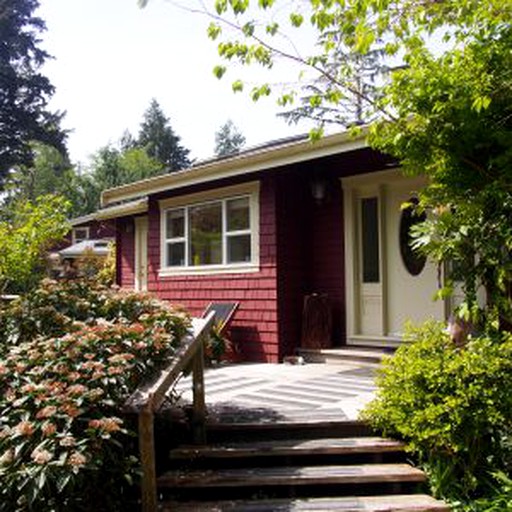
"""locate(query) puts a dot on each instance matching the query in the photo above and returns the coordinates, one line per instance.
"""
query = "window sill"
(209, 270)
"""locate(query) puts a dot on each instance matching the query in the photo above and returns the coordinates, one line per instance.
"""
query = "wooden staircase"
(299, 466)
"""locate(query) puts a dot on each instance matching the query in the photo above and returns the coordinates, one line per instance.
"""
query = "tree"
(113, 167)
(159, 140)
(228, 140)
(24, 91)
(25, 236)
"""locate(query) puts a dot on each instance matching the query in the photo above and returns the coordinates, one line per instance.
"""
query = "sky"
(110, 58)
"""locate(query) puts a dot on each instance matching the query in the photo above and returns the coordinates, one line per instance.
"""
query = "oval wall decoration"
(414, 262)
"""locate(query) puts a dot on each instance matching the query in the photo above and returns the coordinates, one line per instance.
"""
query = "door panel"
(409, 297)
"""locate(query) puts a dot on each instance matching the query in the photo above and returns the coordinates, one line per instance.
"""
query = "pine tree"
(228, 139)
(159, 140)
(24, 91)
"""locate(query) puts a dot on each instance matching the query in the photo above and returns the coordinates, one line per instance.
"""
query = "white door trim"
(141, 253)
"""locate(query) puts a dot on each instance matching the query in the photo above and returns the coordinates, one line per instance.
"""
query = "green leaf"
(219, 71)
(214, 30)
(296, 19)
(221, 6)
(272, 28)
(265, 4)
(248, 29)
(481, 103)
(237, 86)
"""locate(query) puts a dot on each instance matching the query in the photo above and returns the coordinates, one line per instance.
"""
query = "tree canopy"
(25, 236)
(443, 107)
(24, 90)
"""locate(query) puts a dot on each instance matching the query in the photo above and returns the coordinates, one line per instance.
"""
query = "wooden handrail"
(148, 398)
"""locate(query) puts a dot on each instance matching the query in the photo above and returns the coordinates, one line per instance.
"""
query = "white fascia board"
(122, 210)
(264, 159)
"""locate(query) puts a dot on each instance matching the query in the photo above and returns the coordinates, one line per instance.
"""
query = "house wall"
(310, 249)
(254, 329)
(301, 252)
(125, 250)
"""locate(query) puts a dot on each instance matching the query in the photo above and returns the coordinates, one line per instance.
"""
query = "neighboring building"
(88, 238)
(271, 225)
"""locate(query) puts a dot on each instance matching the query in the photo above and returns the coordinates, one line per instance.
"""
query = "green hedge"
(452, 405)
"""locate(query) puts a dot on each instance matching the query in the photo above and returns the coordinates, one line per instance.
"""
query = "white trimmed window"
(210, 235)
(80, 234)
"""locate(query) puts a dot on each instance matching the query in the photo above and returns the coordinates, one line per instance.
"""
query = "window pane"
(176, 223)
(238, 214)
(205, 223)
(176, 254)
(239, 248)
(370, 239)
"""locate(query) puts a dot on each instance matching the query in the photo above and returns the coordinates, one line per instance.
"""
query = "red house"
(268, 227)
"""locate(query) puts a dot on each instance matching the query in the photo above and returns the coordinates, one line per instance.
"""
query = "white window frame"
(76, 239)
(223, 195)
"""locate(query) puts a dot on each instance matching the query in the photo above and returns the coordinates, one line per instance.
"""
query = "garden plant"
(71, 353)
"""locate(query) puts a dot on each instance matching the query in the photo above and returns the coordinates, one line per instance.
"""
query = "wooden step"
(292, 476)
(290, 447)
(395, 503)
(225, 427)
(371, 357)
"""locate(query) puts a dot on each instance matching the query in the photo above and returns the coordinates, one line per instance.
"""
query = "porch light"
(319, 190)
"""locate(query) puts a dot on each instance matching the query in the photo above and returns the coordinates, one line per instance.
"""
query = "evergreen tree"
(24, 91)
(159, 140)
(228, 139)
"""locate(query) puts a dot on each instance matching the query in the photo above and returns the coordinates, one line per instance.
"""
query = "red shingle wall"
(327, 258)
(254, 329)
(294, 255)
(125, 249)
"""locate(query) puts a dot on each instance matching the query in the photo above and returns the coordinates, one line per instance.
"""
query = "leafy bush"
(63, 444)
(452, 405)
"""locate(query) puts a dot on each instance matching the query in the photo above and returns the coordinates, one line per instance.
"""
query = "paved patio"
(268, 392)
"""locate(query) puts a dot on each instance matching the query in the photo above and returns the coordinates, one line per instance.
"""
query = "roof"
(260, 158)
(85, 219)
(96, 247)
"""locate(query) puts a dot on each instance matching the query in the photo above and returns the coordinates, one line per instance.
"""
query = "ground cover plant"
(453, 406)
(71, 354)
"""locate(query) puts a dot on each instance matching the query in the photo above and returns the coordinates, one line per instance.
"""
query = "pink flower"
(25, 428)
(48, 429)
(73, 376)
(70, 410)
(95, 424)
(77, 389)
(41, 456)
(112, 424)
(77, 459)
(7, 457)
(46, 412)
(68, 441)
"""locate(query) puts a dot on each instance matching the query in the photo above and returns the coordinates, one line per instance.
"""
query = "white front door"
(386, 285)
(141, 253)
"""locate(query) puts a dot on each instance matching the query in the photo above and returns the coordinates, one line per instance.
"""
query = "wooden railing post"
(150, 395)
(199, 406)
(147, 455)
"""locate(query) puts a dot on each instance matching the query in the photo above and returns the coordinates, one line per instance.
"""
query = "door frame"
(354, 188)
(141, 253)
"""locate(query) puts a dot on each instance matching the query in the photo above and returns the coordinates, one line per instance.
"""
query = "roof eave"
(244, 163)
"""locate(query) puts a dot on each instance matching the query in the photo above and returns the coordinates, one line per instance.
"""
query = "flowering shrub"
(63, 443)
